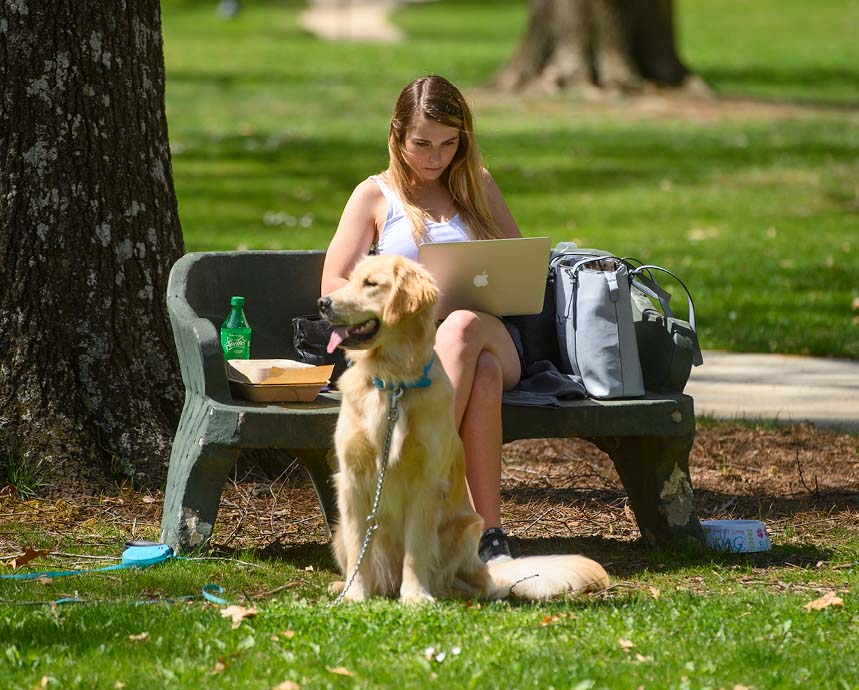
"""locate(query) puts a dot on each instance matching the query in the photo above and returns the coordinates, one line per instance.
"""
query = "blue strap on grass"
(132, 557)
(136, 555)
(209, 593)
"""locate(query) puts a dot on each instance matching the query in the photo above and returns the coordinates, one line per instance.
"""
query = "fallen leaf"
(854, 305)
(625, 645)
(827, 600)
(654, 592)
(288, 633)
(28, 555)
(118, 685)
(641, 659)
(44, 682)
(549, 620)
(238, 613)
(45, 580)
(142, 637)
(149, 499)
(287, 685)
(219, 667)
(741, 687)
(308, 569)
(340, 671)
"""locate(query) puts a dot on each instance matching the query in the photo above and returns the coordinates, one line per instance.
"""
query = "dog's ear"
(413, 290)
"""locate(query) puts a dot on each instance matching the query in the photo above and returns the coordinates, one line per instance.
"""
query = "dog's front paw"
(336, 587)
(416, 596)
(353, 596)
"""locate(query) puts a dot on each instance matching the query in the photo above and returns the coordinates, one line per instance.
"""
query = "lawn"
(753, 199)
(687, 618)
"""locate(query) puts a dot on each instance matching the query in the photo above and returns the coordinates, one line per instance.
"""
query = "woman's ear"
(413, 290)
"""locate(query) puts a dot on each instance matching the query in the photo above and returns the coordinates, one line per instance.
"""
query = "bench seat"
(648, 439)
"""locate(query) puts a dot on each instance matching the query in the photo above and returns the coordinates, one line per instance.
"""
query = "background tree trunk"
(89, 381)
(619, 45)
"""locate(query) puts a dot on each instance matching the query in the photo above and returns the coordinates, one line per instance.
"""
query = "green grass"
(696, 620)
(755, 204)
(756, 207)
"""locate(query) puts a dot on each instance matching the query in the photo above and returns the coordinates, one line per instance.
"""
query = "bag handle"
(697, 358)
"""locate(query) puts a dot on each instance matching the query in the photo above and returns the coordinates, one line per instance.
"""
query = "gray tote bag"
(595, 328)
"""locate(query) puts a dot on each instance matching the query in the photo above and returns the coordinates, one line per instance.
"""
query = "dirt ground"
(801, 481)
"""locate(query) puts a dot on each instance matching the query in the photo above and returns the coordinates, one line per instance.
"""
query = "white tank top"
(396, 235)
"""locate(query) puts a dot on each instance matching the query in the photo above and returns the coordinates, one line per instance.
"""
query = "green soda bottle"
(235, 331)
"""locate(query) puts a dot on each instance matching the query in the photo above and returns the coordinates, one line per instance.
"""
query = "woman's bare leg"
(481, 361)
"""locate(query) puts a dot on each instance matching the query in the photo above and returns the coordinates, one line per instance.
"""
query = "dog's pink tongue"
(337, 336)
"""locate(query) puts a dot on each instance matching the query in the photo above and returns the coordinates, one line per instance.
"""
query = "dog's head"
(382, 294)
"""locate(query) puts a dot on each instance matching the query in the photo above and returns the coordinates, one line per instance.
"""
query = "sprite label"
(235, 343)
(235, 332)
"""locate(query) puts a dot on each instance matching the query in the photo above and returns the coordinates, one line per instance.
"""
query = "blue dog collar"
(422, 382)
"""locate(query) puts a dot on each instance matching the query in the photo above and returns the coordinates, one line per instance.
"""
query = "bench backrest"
(276, 285)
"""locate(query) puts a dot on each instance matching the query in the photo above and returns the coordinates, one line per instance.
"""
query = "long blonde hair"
(437, 99)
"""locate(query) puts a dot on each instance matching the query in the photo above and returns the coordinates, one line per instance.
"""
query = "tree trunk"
(89, 381)
(617, 45)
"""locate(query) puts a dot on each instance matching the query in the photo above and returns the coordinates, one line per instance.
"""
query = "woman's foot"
(494, 545)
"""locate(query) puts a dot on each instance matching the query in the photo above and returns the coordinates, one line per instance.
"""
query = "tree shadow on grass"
(624, 559)
(302, 556)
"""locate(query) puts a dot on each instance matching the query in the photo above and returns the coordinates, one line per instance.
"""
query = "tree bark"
(89, 380)
(617, 45)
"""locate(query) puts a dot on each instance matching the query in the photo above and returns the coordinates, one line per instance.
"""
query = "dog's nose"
(324, 305)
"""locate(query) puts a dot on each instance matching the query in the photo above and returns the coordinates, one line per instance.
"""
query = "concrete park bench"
(648, 439)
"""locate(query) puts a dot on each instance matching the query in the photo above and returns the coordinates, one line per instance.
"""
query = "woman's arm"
(354, 237)
(499, 209)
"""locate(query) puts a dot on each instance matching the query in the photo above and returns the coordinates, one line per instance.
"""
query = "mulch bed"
(802, 481)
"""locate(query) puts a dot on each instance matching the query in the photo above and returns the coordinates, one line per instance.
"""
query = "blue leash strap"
(62, 573)
(209, 593)
(132, 557)
(209, 596)
(136, 555)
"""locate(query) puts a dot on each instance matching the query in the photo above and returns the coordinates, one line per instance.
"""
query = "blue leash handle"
(132, 557)
(135, 556)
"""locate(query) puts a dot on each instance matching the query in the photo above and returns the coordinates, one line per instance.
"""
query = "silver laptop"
(501, 277)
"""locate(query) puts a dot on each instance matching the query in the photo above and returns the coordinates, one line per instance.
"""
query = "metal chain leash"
(372, 522)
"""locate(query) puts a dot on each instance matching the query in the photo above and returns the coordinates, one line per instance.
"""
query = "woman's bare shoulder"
(367, 190)
(366, 198)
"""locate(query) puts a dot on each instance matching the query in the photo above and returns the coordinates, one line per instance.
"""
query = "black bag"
(538, 330)
(667, 346)
(310, 336)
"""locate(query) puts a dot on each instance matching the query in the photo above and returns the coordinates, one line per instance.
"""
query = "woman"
(436, 189)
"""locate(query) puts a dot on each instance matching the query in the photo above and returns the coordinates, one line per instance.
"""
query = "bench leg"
(196, 476)
(320, 470)
(655, 474)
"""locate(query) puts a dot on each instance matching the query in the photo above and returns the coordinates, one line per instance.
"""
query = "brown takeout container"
(276, 380)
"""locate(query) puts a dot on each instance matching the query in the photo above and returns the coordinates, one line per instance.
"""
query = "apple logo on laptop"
(481, 279)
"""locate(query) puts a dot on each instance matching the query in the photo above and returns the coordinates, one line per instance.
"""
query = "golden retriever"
(426, 542)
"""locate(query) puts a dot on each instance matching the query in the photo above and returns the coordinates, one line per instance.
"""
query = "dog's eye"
(369, 283)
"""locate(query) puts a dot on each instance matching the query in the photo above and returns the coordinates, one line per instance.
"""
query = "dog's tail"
(543, 577)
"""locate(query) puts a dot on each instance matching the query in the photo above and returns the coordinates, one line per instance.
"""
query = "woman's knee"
(461, 333)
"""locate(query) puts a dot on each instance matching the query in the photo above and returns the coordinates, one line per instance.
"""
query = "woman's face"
(430, 147)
